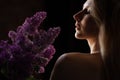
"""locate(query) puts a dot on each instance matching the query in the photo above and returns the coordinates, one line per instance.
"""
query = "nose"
(79, 15)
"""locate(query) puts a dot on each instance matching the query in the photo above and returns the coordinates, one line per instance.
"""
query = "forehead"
(88, 3)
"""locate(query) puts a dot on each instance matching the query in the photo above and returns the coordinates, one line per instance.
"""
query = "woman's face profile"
(86, 26)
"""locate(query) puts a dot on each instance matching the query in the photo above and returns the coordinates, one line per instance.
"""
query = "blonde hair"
(107, 14)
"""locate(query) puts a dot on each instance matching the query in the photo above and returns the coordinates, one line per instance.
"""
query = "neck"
(94, 45)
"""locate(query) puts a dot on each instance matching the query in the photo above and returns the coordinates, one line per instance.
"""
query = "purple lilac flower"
(31, 24)
(41, 41)
(50, 50)
(30, 51)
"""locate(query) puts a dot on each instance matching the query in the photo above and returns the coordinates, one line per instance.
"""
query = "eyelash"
(87, 12)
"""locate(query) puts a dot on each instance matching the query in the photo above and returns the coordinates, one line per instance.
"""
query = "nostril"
(76, 17)
(79, 16)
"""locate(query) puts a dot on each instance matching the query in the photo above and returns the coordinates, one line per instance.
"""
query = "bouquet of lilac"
(30, 49)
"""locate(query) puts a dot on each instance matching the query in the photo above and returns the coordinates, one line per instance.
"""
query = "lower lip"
(77, 31)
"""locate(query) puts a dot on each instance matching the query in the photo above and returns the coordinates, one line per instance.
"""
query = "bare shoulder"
(77, 57)
(77, 66)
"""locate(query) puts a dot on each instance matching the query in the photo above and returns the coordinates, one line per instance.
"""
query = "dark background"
(59, 13)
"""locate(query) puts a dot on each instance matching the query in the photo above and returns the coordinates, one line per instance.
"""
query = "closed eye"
(87, 11)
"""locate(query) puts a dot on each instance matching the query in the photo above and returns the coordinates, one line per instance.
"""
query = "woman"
(76, 66)
(98, 18)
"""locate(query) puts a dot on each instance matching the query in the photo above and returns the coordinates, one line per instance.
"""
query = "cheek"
(89, 25)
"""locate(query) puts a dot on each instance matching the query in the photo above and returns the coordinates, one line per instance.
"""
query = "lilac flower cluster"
(30, 49)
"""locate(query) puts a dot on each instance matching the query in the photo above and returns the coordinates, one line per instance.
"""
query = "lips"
(77, 26)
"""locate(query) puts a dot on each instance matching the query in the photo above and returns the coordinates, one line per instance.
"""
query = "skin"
(86, 27)
(79, 66)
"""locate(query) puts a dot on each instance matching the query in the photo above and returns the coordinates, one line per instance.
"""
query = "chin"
(79, 36)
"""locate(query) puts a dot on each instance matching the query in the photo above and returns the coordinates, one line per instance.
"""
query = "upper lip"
(77, 24)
